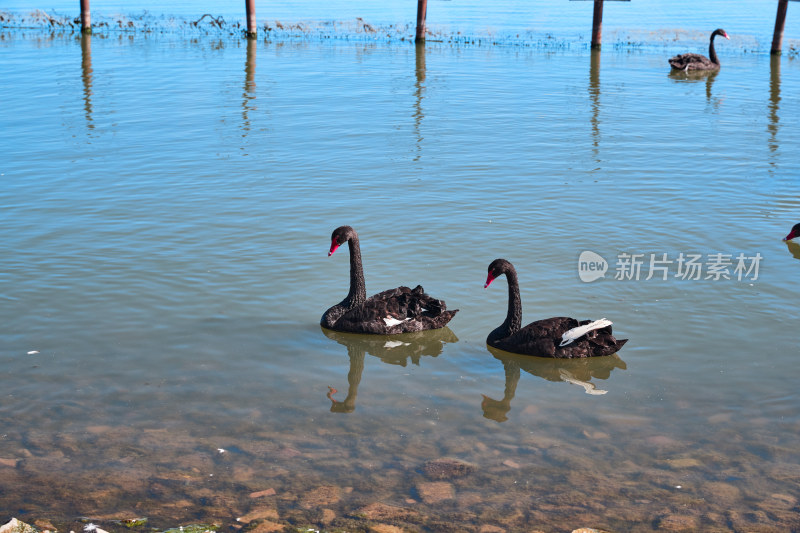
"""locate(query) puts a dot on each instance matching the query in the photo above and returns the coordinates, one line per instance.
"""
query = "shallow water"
(167, 208)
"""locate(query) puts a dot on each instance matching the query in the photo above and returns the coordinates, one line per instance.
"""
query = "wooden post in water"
(597, 25)
(422, 13)
(780, 19)
(86, 18)
(250, 8)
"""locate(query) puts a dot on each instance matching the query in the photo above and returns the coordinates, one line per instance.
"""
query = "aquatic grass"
(361, 30)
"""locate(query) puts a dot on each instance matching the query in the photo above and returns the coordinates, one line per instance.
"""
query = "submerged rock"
(447, 468)
(384, 511)
(262, 493)
(260, 513)
(676, 522)
(436, 491)
(386, 528)
(321, 496)
(267, 526)
(16, 526)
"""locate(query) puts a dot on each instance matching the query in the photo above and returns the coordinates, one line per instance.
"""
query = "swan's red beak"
(334, 246)
(791, 236)
(489, 280)
(726, 36)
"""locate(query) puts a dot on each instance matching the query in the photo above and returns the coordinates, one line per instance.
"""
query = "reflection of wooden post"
(774, 103)
(86, 18)
(86, 76)
(597, 24)
(780, 19)
(250, 8)
(420, 63)
(422, 13)
(594, 97)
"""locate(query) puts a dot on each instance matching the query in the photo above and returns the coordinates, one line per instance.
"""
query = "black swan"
(399, 310)
(560, 337)
(699, 62)
(794, 233)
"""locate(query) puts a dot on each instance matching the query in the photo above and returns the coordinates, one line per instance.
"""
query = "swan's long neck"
(514, 317)
(358, 289)
(712, 54)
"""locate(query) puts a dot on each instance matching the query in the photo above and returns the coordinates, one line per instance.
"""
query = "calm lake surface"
(166, 208)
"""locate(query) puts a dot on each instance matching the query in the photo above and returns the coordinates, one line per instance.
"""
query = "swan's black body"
(415, 310)
(542, 338)
(697, 61)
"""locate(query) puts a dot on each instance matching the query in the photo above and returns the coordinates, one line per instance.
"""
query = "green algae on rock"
(16, 526)
(194, 528)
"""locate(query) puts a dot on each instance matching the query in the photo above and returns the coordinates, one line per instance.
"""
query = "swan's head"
(720, 31)
(341, 235)
(794, 233)
(497, 268)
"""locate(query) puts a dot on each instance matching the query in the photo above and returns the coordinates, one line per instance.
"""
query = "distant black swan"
(560, 337)
(399, 310)
(794, 233)
(697, 61)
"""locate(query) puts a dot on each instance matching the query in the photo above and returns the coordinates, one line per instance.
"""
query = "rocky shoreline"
(255, 522)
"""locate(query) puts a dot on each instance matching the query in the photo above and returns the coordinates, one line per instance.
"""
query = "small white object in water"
(33, 352)
(91, 528)
(576, 333)
(221, 450)
(678, 487)
(391, 321)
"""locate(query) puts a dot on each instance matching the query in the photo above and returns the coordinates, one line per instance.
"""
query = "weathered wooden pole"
(250, 8)
(597, 25)
(422, 13)
(86, 17)
(780, 19)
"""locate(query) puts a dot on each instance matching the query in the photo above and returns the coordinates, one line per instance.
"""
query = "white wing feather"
(576, 333)
(391, 321)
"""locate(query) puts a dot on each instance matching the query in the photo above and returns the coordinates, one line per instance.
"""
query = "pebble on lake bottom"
(435, 491)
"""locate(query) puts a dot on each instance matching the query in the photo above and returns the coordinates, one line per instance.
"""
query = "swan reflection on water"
(696, 76)
(573, 371)
(391, 349)
(794, 249)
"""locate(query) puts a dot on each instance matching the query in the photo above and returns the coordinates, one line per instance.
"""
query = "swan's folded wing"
(576, 333)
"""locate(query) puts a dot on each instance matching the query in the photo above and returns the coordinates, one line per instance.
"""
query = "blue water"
(167, 205)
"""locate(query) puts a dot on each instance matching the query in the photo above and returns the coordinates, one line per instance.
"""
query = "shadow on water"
(693, 76)
(391, 349)
(249, 94)
(86, 77)
(574, 371)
